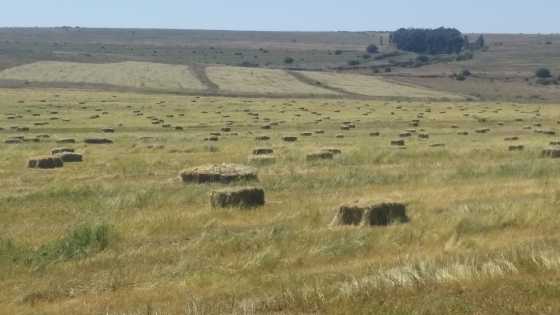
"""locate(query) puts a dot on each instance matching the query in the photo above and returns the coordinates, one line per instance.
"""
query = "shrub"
(353, 62)
(372, 49)
(423, 58)
(338, 52)
(466, 73)
(465, 56)
(289, 60)
(80, 242)
(543, 73)
(460, 77)
(84, 240)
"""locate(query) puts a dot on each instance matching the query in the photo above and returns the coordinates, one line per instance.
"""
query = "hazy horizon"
(478, 16)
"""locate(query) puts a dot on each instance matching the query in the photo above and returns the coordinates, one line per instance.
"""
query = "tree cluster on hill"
(429, 41)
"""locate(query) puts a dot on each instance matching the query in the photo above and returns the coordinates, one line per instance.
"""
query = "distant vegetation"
(372, 49)
(289, 60)
(544, 77)
(429, 41)
(543, 73)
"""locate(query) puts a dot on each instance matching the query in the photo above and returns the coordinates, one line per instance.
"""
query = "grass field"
(372, 86)
(120, 234)
(129, 74)
(224, 80)
(262, 81)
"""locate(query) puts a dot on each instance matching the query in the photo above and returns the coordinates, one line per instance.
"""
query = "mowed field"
(215, 79)
(119, 233)
(127, 74)
(373, 86)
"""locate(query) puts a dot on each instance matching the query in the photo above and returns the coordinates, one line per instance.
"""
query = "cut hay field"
(264, 81)
(373, 86)
(119, 233)
(127, 74)
(211, 80)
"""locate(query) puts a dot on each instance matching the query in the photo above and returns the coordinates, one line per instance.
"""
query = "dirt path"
(199, 71)
(307, 80)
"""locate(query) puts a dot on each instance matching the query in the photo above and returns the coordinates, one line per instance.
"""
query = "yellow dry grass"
(373, 86)
(483, 235)
(260, 81)
(127, 74)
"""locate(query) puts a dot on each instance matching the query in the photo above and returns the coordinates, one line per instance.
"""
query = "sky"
(476, 16)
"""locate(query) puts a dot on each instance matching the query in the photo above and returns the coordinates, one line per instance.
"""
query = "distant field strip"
(261, 81)
(127, 74)
(371, 86)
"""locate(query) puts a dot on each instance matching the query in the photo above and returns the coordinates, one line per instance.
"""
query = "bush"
(388, 69)
(353, 62)
(465, 56)
(289, 60)
(466, 73)
(543, 73)
(366, 56)
(338, 52)
(460, 77)
(372, 49)
(423, 58)
(78, 243)
(82, 241)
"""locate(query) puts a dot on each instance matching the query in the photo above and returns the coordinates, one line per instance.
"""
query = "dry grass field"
(262, 81)
(119, 233)
(220, 80)
(128, 74)
(373, 86)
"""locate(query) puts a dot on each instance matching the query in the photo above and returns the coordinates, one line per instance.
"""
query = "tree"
(480, 42)
(543, 73)
(429, 41)
(372, 49)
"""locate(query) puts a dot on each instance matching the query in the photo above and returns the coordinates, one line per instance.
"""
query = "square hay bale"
(334, 151)
(45, 162)
(56, 151)
(263, 151)
(239, 197)
(219, 173)
(98, 141)
(367, 213)
(321, 155)
(70, 157)
(398, 143)
(66, 140)
(551, 152)
(290, 138)
(13, 141)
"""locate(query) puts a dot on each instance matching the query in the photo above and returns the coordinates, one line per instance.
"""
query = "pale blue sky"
(512, 16)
